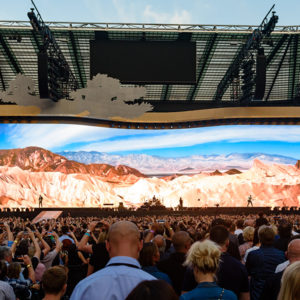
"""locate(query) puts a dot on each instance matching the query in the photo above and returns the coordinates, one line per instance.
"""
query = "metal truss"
(289, 29)
(252, 43)
(63, 78)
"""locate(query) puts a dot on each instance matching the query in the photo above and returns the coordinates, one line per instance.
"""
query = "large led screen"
(144, 62)
(85, 166)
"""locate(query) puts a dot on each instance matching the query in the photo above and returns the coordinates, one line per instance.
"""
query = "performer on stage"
(40, 201)
(180, 202)
(250, 201)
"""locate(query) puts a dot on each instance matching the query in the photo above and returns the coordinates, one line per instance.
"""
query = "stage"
(31, 213)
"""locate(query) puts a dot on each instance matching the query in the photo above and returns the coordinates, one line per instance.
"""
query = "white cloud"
(125, 11)
(54, 136)
(110, 140)
(177, 17)
(185, 138)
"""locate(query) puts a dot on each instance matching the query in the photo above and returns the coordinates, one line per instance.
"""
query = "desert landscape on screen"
(27, 173)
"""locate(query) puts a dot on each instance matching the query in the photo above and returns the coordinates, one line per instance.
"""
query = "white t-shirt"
(238, 232)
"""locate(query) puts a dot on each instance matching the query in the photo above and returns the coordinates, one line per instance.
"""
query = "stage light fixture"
(248, 80)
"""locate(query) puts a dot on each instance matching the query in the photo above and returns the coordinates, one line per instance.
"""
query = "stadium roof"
(216, 48)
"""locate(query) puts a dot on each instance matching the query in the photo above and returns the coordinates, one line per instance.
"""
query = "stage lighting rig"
(252, 44)
(56, 79)
(248, 80)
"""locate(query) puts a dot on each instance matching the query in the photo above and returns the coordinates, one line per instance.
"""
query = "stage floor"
(97, 212)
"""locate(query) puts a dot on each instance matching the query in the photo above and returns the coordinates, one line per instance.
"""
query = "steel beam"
(203, 63)
(77, 58)
(166, 91)
(275, 50)
(9, 54)
(2, 80)
(279, 67)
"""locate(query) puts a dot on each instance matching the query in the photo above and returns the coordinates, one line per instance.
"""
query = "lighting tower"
(56, 79)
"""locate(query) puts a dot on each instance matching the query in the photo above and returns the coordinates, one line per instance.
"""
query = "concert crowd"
(227, 257)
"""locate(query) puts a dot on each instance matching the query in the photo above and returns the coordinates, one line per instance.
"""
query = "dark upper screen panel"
(144, 62)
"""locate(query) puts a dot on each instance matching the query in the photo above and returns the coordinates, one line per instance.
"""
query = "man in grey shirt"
(6, 291)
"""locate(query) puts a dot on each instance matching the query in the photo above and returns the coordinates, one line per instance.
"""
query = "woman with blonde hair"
(248, 235)
(290, 283)
(204, 258)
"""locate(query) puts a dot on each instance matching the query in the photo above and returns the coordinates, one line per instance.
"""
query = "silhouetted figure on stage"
(180, 202)
(250, 201)
(40, 201)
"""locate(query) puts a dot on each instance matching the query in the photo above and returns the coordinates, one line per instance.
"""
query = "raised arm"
(10, 236)
(16, 242)
(57, 242)
(46, 247)
(72, 235)
(82, 245)
(28, 264)
(37, 252)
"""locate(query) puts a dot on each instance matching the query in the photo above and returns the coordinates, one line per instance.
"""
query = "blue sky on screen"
(284, 140)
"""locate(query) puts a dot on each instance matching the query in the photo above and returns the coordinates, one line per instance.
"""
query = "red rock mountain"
(233, 172)
(37, 159)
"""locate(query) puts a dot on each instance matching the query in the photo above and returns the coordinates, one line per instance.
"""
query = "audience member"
(152, 289)
(149, 256)
(290, 286)
(98, 251)
(173, 266)
(54, 283)
(113, 266)
(239, 231)
(231, 275)
(6, 291)
(272, 284)
(21, 287)
(261, 220)
(255, 245)
(261, 263)
(5, 254)
(248, 235)
(55, 246)
(122, 273)
(204, 258)
(285, 234)
(161, 244)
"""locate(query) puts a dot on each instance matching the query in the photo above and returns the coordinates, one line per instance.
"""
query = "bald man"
(272, 286)
(173, 265)
(292, 254)
(122, 272)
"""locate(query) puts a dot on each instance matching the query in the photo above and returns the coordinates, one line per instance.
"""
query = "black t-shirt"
(100, 256)
(73, 259)
(173, 267)
(232, 275)
(282, 244)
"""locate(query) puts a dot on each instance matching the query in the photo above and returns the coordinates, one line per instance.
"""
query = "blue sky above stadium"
(284, 140)
(248, 12)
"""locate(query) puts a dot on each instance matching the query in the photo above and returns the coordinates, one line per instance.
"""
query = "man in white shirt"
(122, 273)
(293, 254)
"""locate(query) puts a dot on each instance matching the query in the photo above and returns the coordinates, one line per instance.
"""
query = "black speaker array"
(43, 74)
(260, 83)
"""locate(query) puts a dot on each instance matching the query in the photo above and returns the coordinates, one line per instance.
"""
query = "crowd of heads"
(179, 253)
